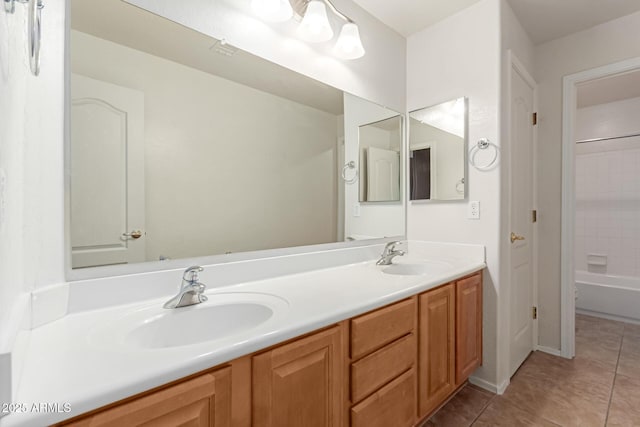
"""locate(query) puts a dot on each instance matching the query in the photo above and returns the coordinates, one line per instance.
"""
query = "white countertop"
(69, 362)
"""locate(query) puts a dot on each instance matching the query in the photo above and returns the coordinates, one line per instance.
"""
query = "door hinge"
(535, 119)
(535, 313)
(534, 215)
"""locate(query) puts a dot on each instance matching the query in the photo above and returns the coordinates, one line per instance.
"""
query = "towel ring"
(34, 12)
(483, 144)
(350, 165)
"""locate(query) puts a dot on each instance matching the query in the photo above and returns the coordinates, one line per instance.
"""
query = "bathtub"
(612, 297)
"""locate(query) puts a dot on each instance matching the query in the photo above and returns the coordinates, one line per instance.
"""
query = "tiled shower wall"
(608, 189)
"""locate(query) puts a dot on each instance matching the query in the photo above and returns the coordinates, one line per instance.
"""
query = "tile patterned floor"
(600, 387)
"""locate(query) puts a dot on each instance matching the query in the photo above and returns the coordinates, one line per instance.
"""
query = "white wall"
(379, 76)
(608, 188)
(31, 156)
(604, 44)
(458, 57)
(383, 219)
(219, 176)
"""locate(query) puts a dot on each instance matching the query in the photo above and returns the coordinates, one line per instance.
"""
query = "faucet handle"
(391, 245)
(191, 273)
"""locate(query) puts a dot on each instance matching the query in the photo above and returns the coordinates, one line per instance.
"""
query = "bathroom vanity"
(393, 365)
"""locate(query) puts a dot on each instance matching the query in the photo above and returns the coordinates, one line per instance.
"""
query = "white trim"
(486, 385)
(567, 268)
(549, 350)
(514, 64)
(607, 316)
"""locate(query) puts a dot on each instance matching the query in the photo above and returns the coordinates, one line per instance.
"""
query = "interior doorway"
(576, 194)
(522, 290)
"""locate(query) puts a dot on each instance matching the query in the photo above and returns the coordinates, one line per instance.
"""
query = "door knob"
(135, 234)
(515, 237)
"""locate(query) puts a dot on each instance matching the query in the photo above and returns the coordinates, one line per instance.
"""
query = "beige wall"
(604, 44)
(219, 176)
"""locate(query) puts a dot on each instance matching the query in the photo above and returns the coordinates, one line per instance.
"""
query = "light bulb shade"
(315, 27)
(272, 10)
(349, 45)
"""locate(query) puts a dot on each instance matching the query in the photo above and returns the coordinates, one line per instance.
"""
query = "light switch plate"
(473, 211)
(356, 210)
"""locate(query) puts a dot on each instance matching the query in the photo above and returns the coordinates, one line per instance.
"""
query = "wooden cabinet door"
(436, 352)
(203, 401)
(468, 326)
(301, 383)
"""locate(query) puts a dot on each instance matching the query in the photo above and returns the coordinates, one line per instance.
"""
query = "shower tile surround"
(317, 297)
(608, 190)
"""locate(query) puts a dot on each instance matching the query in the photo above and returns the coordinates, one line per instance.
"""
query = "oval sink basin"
(223, 316)
(177, 327)
(417, 269)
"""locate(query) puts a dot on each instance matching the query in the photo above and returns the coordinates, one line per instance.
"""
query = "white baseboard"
(550, 350)
(486, 385)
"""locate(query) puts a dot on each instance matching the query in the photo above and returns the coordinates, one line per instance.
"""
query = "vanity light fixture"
(273, 10)
(315, 26)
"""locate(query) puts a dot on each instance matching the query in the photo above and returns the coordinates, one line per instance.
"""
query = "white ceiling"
(410, 16)
(543, 20)
(609, 89)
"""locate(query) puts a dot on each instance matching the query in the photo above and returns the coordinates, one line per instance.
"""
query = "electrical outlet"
(473, 211)
(356, 210)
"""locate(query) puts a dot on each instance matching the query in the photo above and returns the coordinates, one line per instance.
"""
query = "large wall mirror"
(437, 151)
(182, 146)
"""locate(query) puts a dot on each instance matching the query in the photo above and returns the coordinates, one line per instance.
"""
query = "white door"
(107, 173)
(521, 218)
(383, 175)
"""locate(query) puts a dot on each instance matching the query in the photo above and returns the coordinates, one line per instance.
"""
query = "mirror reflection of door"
(420, 177)
(437, 141)
(380, 145)
(107, 179)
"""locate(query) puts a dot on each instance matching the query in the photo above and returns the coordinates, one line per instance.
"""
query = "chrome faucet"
(191, 291)
(389, 253)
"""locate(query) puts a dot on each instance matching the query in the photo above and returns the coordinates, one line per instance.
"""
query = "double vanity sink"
(225, 314)
(103, 355)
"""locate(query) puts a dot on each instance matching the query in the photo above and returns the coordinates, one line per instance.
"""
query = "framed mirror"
(380, 145)
(437, 151)
(182, 146)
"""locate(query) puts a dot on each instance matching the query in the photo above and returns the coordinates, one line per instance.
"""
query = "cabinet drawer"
(370, 373)
(393, 405)
(373, 330)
